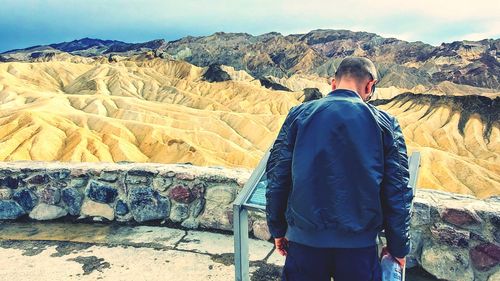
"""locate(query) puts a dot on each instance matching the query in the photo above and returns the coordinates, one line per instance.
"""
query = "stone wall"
(188, 195)
(454, 237)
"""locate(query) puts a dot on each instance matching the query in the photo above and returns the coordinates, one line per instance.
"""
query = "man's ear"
(370, 86)
(334, 84)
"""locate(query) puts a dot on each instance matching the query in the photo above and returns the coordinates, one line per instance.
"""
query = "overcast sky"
(25, 23)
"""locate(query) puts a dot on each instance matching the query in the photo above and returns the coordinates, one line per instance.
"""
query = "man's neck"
(348, 88)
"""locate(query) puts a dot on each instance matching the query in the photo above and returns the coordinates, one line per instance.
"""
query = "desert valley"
(220, 100)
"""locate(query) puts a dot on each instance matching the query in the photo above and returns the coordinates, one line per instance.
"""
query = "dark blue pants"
(304, 263)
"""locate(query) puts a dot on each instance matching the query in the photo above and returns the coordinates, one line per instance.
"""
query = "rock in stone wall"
(454, 237)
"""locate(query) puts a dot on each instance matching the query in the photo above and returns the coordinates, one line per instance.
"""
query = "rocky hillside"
(412, 66)
(147, 109)
(459, 138)
(142, 111)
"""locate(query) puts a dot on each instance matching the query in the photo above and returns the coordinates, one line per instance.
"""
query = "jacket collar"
(344, 93)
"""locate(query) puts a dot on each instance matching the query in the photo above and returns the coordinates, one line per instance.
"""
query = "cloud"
(432, 21)
(488, 30)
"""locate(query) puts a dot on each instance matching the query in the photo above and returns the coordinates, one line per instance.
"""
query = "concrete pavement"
(56, 251)
(62, 251)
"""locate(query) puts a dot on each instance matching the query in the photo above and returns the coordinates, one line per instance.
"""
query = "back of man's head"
(357, 68)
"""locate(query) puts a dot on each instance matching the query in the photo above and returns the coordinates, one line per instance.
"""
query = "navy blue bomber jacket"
(338, 174)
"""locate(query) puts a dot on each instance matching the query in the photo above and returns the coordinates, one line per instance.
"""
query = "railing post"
(240, 228)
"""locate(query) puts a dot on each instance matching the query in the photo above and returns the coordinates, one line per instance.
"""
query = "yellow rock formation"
(162, 111)
(467, 164)
(156, 111)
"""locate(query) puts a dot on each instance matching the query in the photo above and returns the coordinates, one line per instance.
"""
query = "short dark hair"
(358, 68)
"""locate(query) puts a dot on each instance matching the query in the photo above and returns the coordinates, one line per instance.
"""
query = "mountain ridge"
(403, 64)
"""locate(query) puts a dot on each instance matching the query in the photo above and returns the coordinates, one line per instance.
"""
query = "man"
(338, 175)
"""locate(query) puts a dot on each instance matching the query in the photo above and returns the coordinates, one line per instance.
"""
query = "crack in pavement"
(266, 258)
(180, 240)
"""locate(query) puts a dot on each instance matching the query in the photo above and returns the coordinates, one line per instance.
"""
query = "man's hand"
(281, 245)
(401, 261)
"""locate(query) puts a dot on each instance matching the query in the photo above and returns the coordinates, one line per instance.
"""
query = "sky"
(25, 23)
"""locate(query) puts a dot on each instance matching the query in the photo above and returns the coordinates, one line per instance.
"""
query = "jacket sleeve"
(279, 177)
(396, 195)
